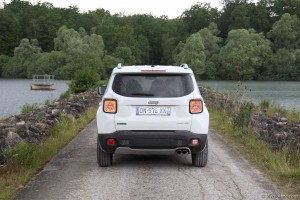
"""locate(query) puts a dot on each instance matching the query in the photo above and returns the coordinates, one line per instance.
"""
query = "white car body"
(137, 113)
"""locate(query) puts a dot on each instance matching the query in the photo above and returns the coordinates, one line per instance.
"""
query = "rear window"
(153, 85)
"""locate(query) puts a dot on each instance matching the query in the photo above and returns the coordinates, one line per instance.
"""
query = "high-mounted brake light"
(196, 106)
(154, 71)
(110, 106)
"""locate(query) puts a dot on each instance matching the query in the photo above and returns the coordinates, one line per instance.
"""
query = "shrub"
(84, 80)
(242, 118)
(264, 104)
(29, 107)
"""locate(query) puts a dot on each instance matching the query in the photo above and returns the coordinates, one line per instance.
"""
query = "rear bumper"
(152, 142)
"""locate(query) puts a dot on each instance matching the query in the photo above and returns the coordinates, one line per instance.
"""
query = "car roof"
(161, 69)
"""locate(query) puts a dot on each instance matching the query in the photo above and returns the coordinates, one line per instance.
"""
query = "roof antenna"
(119, 66)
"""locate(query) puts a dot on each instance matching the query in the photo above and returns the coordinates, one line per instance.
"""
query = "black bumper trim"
(152, 140)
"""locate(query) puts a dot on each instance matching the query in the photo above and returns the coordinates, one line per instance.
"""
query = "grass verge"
(28, 159)
(279, 166)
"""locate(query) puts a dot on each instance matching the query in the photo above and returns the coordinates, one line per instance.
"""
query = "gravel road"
(74, 174)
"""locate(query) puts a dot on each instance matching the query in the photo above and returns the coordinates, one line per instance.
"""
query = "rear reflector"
(194, 142)
(110, 106)
(111, 141)
(196, 106)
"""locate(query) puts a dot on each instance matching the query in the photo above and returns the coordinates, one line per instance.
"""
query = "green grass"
(65, 95)
(281, 167)
(275, 111)
(28, 159)
(29, 107)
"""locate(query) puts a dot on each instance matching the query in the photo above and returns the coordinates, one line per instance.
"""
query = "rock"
(281, 124)
(55, 112)
(34, 127)
(22, 123)
(283, 119)
(13, 139)
(41, 126)
(70, 118)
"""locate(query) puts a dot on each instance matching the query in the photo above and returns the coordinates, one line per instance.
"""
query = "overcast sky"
(172, 8)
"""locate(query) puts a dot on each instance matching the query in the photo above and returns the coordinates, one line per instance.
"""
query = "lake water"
(285, 94)
(14, 93)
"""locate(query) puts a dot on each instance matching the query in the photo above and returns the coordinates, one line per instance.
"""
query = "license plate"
(153, 110)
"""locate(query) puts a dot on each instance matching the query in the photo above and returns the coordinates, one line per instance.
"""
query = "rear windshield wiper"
(142, 94)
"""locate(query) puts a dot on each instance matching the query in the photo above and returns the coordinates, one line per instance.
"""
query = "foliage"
(264, 104)
(193, 54)
(84, 79)
(17, 66)
(242, 117)
(61, 41)
(3, 60)
(47, 63)
(199, 16)
(244, 55)
(285, 32)
(125, 54)
(27, 108)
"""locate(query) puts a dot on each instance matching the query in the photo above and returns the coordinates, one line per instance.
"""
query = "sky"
(171, 8)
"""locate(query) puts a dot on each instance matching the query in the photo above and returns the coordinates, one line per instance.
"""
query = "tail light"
(110, 106)
(196, 106)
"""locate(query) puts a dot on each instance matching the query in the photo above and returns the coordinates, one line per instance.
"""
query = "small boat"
(42, 82)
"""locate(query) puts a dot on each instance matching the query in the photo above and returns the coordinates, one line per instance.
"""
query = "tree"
(16, 67)
(26, 49)
(244, 55)
(81, 49)
(125, 54)
(47, 63)
(280, 7)
(9, 29)
(193, 54)
(240, 15)
(84, 79)
(3, 60)
(210, 40)
(199, 16)
(285, 33)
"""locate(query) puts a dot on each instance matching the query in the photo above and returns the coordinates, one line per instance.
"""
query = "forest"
(243, 41)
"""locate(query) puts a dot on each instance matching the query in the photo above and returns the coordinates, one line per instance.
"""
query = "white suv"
(152, 110)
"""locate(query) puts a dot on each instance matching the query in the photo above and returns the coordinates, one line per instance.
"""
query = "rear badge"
(153, 102)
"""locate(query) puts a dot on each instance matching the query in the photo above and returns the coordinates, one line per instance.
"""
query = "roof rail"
(185, 66)
(119, 66)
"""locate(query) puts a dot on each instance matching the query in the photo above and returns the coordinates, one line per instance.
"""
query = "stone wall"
(35, 126)
(277, 131)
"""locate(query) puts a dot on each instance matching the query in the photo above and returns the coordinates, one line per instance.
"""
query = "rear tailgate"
(153, 114)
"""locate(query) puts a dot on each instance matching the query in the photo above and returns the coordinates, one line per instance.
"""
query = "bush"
(242, 118)
(84, 80)
(29, 107)
(264, 104)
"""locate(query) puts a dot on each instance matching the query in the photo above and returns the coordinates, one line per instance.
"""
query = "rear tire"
(200, 159)
(104, 159)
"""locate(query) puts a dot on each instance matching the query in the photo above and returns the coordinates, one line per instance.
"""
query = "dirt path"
(74, 174)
